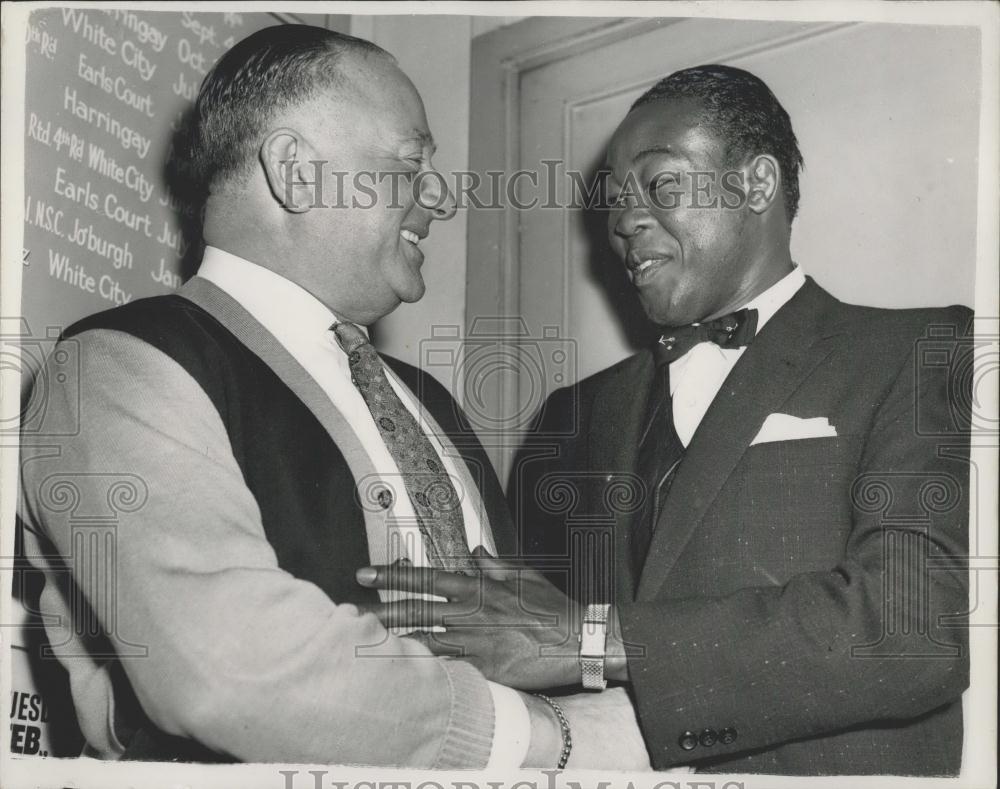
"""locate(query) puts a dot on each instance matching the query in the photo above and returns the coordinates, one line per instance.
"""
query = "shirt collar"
(278, 303)
(776, 296)
(766, 304)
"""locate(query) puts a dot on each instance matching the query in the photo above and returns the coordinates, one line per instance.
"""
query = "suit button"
(688, 741)
(708, 737)
(727, 736)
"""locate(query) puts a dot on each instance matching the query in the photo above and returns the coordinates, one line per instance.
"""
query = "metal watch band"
(593, 646)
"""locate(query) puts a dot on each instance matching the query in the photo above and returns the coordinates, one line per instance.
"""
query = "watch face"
(593, 636)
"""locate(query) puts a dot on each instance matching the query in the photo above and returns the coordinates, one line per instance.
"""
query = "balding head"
(254, 83)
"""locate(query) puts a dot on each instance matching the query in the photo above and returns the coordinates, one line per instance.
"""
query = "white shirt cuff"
(511, 728)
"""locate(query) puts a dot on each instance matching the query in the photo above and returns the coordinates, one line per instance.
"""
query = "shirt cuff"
(511, 728)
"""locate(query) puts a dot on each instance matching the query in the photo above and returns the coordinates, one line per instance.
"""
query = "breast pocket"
(794, 503)
(809, 452)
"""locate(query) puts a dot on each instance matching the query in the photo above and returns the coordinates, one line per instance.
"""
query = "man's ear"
(292, 170)
(763, 182)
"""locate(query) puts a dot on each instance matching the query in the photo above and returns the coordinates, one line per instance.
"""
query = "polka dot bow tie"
(734, 330)
(428, 486)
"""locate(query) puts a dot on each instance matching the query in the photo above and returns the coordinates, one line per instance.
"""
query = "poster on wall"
(105, 220)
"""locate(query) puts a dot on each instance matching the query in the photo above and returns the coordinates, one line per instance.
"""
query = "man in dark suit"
(788, 584)
(221, 459)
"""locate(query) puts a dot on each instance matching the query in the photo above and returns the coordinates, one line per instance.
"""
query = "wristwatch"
(593, 646)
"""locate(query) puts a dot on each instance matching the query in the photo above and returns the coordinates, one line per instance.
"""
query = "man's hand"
(603, 728)
(508, 621)
(605, 732)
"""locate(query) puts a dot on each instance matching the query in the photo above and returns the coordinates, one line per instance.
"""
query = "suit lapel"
(787, 350)
(615, 428)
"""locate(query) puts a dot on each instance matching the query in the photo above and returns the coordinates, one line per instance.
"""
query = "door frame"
(499, 59)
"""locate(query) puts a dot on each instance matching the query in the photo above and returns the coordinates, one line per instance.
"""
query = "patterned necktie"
(434, 498)
(660, 452)
(730, 331)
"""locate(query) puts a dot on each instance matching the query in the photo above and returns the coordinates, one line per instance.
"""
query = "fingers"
(437, 643)
(410, 613)
(423, 614)
(492, 567)
(418, 580)
(504, 569)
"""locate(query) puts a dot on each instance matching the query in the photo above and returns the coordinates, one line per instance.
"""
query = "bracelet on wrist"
(567, 739)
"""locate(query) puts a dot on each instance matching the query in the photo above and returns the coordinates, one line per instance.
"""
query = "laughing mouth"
(641, 271)
(409, 235)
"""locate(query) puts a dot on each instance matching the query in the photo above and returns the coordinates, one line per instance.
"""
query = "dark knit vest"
(309, 506)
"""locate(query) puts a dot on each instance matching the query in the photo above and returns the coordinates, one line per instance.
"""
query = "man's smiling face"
(688, 263)
(376, 135)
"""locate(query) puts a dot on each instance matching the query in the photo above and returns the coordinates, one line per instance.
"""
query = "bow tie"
(734, 330)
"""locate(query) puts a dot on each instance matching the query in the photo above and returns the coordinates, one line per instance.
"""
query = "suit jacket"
(800, 609)
(208, 502)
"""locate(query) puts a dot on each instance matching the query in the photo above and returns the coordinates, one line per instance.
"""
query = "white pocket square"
(785, 427)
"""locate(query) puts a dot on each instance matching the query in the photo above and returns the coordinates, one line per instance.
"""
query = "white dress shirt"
(302, 324)
(697, 376)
